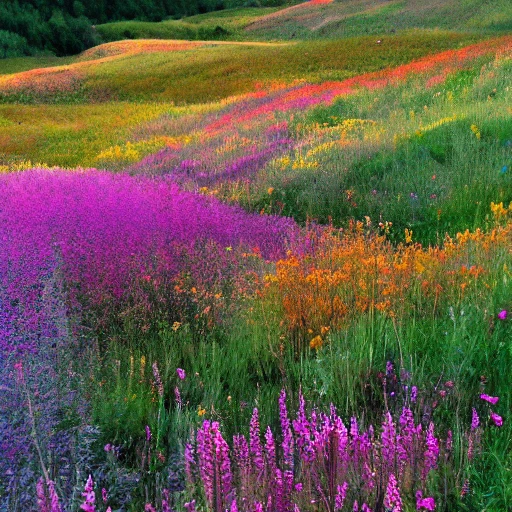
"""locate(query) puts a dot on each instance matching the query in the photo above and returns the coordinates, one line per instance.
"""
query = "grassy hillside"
(226, 24)
(349, 18)
(195, 72)
(205, 238)
(317, 20)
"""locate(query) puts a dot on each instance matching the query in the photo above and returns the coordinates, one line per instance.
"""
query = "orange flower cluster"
(356, 272)
(44, 81)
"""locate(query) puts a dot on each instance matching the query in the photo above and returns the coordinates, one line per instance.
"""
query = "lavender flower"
(392, 499)
(254, 441)
(424, 503)
(286, 430)
(497, 419)
(181, 373)
(491, 399)
(475, 420)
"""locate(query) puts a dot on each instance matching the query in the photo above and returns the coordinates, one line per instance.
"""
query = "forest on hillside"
(66, 27)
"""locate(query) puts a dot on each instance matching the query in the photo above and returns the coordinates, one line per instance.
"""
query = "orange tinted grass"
(442, 63)
(357, 272)
(69, 78)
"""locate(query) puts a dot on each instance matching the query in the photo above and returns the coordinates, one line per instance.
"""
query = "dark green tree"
(12, 45)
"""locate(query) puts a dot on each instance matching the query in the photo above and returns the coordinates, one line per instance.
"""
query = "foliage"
(145, 316)
(67, 27)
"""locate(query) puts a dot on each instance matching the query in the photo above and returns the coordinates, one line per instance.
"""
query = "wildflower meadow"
(260, 273)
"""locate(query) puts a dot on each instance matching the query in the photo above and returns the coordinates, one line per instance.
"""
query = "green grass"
(223, 25)
(434, 178)
(211, 73)
(68, 135)
(19, 64)
(350, 18)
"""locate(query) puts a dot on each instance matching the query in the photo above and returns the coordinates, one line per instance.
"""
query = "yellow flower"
(201, 411)
(316, 342)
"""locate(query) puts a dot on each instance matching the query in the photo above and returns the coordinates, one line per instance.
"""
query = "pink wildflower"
(497, 419)
(502, 315)
(393, 500)
(181, 373)
(424, 503)
(89, 496)
(42, 501)
(491, 399)
(475, 420)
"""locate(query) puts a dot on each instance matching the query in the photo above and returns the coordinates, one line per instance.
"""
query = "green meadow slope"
(351, 18)
(312, 20)
(195, 72)
(389, 122)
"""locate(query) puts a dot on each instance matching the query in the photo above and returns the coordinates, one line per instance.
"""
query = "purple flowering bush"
(90, 249)
(319, 462)
(121, 242)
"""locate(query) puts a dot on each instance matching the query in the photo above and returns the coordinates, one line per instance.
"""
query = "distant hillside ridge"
(68, 27)
(349, 18)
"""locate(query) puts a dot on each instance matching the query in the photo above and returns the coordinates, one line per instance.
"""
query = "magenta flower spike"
(491, 399)
(424, 503)
(286, 430)
(90, 498)
(475, 420)
(181, 373)
(392, 499)
(502, 315)
(191, 506)
(497, 419)
(165, 501)
(42, 502)
(54, 498)
(341, 494)
(255, 447)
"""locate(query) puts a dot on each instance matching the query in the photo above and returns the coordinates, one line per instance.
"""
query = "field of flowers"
(289, 293)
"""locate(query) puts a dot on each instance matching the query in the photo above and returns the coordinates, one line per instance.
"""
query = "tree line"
(66, 27)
